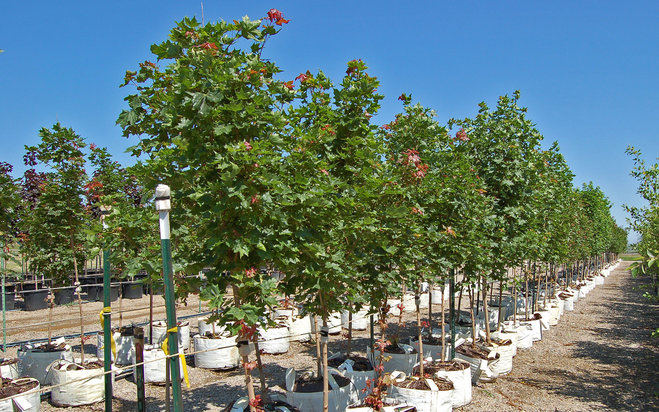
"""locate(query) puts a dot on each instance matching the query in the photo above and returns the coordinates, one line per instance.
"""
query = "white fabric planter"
(35, 364)
(461, 380)
(505, 363)
(544, 318)
(403, 362)
(480, 369)
(569, 304)
(30, 401)
(536, 329)
(506, 335)
(358, 378)
(433, 400)
(360, 320)
(339, 397)
(79, 393)
(221, 353)
(394, 310)
(554, 315)
(410, 304)
(9, 371)
(274, 340)
(125, 348)
(205, 326)
(432, 351)
(599, 280)
(300, 329)
(160, 333)
(437, 295)
(333, 323)
(285, 312)
(155, 372)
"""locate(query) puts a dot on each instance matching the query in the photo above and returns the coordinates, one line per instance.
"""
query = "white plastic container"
(403, 362)
(360, 320)
(155, 372)
(536, 329)
(10, 370)
(221, 353)
(505, 363)
(204, 325)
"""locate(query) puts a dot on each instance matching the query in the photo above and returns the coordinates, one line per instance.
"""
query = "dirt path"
(599, 357)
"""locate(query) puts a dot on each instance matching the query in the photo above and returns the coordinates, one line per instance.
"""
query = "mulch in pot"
(435, 366)
(396, 350)
(8, 361)
(97, 364)
(362, 364)
(429, 340)
(414, 382)
(10, 388)
(49, 347)
(475, 351)
(310, 384)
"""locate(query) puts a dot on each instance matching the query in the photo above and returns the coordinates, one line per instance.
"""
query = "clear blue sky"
(587, 70)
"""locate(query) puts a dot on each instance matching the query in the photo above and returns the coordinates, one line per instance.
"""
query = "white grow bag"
(125, 348)
(513, 336)
(536, 329)
(544, 318)
(221, 353)
(333, 323)
(360, 320)
(410, 304)
(433, 400)
(160, 333)
(300, 329)
(35, 364)
(403, 362)
(461, 380)
(9, 371)
(155, 364)
(29, 401)
(394, 310)
(85, 392)
(274, 340)
(358, 379)
(432, 351)
(339, 397)
(505, 363)
(204, 325)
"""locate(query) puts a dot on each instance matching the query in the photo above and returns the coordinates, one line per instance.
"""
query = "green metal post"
(107, 326)
(451, 292)
(4, 308)
(163, 206)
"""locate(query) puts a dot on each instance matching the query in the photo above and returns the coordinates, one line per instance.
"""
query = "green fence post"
(107, 326)
(163, 206)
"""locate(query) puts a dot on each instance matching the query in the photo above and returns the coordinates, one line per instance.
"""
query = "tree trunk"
(443, 357)
(488, 340)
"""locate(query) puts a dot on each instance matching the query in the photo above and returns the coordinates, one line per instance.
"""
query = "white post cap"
(163, 198)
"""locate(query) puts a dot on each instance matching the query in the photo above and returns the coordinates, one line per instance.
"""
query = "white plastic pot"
(300, 329)
(461, 380)
(221, 353)
(507, 335)
(79, 393)
(403, 362)
(339, 397)
(394, 310)
(125, 348)
(274, 340)
(432, 400)
(35, 364)
(333, 322)
(429, 351)
(358, 378)
(28, 401)
(410, 304)
(480, 369)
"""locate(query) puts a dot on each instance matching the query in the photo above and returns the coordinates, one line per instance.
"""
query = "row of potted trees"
(293, 176)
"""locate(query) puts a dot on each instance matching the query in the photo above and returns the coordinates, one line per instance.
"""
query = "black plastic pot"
(35, 300)
(94, 293)
(131, 290)
(30, 286)
(64, 296)
(10, 301)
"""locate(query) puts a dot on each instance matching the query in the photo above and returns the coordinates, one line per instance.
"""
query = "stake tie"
(181, 355)
(113, 344)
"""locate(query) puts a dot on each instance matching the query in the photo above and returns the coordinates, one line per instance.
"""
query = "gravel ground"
(599, 357)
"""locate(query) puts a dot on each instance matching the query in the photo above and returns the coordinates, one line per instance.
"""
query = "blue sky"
(587, 70)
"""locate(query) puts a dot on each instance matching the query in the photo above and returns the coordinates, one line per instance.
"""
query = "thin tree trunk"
(443, 358)
(488, 340)
(77, 289)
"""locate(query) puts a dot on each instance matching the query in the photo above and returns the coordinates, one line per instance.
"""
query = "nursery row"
(446, 380)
